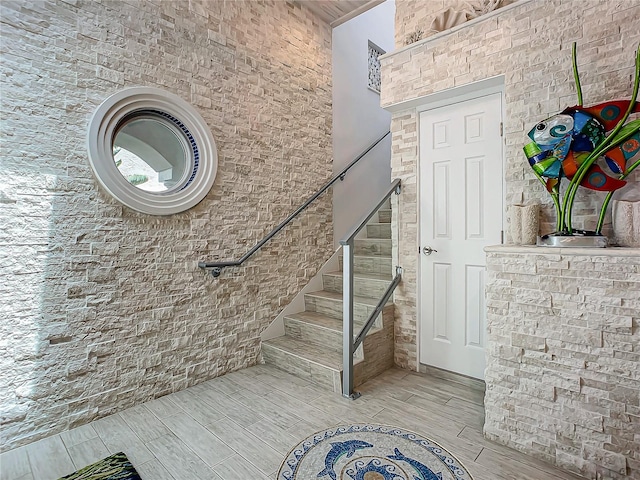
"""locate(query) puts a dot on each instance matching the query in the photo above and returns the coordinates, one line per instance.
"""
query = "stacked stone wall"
(415, 19)
(563, 357)
(529, 43)
(102, 307)
(563, 353)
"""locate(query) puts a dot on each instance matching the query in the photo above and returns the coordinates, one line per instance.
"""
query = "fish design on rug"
(562, 142)
(425, 472)
(338, 449)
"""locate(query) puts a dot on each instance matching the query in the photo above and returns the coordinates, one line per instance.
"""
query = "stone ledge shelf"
(563, 356)
(445, 33)
(592, 252)
(405, 88)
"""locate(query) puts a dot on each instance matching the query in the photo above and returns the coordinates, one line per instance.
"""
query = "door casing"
(430, 102)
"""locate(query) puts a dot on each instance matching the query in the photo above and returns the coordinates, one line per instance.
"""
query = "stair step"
(369, 285)
(311, 348)
(378, 230)
(373, 247)
(384, 215)
(370, 264)
(312, 327)
(308, 361)
(311, 353)
(330, 304)
(319, 329)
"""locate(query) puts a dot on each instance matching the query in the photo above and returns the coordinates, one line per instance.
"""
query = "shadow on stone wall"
(103, 307)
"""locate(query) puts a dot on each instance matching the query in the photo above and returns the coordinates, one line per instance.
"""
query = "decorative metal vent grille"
(374, 66)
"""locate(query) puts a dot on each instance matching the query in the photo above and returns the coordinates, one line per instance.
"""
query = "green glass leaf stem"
(604, 146)
(607, 199)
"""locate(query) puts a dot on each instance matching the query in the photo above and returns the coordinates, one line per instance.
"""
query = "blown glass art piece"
(568, 144)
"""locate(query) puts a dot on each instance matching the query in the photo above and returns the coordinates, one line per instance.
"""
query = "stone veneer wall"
(530, 44)
(420, 15)
(563, 357)
(102, 307)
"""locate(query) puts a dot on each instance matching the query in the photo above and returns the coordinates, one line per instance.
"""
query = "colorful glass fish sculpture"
(570, 143)
(561, 143)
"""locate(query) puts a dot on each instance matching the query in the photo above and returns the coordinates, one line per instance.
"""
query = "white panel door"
(460, 213)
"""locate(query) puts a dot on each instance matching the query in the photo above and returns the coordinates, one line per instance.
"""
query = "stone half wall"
(529, 43)
(101, 307)
(563, 357)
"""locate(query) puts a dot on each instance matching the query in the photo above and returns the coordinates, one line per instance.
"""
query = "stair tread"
(317, 319)
(372, 302)
(360, 255)
(324, 321)
(310, 352)
(385, 240)
(368, 276)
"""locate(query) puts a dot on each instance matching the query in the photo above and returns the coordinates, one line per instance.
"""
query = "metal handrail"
(349, 346)
(216, 267)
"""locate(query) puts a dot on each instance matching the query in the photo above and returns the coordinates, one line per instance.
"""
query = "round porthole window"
(152, 151)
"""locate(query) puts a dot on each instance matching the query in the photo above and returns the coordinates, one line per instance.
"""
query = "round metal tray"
(580, 241)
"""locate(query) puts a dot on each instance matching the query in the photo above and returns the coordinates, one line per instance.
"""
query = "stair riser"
(362, 287)
(302, 368)
(361, 312)
(379, 231)
(376, 265)
(384, 216)
(373, 247)
(333, 308)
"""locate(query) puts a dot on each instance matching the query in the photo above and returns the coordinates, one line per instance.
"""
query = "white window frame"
(101, 133)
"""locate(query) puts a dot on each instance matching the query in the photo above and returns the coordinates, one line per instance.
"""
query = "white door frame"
(430, 102)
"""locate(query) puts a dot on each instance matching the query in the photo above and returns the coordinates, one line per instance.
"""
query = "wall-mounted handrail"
(216, 267)
(349, 346)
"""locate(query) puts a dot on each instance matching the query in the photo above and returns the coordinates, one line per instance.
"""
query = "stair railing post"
(347, 318)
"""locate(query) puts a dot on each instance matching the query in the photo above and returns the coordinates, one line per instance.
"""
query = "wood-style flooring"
(241, 425)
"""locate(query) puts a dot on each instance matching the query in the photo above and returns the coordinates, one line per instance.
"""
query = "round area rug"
(370, 452)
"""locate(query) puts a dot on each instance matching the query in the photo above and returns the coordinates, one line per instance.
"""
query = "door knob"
(428, 250)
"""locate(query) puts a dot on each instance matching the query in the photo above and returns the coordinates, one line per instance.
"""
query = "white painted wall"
(358, 119)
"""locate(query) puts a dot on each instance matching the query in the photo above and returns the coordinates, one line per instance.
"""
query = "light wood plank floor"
(241, 425)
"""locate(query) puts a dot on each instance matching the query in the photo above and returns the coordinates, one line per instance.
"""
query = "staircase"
(312, 345)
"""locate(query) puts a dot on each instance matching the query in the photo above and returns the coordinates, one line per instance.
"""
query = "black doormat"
(115, 467)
